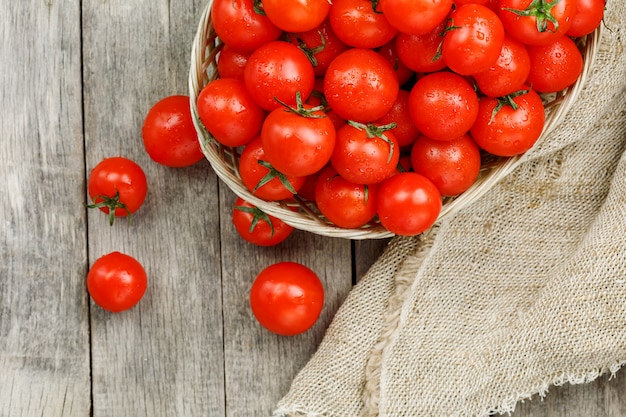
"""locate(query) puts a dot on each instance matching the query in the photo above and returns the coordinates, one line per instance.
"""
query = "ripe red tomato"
(365, 154)
(421, 53)
(589, 15)
(509, 73)
(360, 85)
(555, 66)
(345, 203)
(358, 24)
(256, 226)
(405, 131)
(510, 125)
(298, 141)
(240, 26)
(117, 186)
(262, 179)
(296, 16)
(169, 135)
(231, 62)
(321, 45)
(276, 71)
(443, 105)
(228, 112)
(287, 298)
(116, 282)
(415, 17)
(408, 204)
(537, 22)
(473, 39)
(452, 166)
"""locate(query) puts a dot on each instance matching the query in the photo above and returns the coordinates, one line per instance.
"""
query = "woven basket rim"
(203, 67)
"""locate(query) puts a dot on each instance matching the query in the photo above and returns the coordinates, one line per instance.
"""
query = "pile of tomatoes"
(375, 110)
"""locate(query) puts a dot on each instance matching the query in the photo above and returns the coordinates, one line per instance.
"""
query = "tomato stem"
(508, 100)
(374, 131)
(310, 52)
(274, 173)
(257, 215)
(301, 110)
(112, 203)
(541, 10)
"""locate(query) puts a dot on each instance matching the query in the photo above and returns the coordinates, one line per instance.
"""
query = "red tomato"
(298, 141)
(116, 282)
(169, 135)
(256, 226)
(452, 166)
(357, 24)
(228, 112)
(421, 53)
(555, 66)
(416, 17)
(473, 39)
(408, 204)
(443, 105)
(321, 45)
(296, 16)
(509, 73)
(261, 178)
(360, 85)
(510, 125)
(344, 203)
(389, 51)
(537, 22)
(287, 298)
(405, 130)
(240, 26)
(589, 15)
(231, 63)
(117, 186)
(276, 71)
(365, 154)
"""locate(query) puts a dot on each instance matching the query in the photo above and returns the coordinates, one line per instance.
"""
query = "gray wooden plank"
(165, 356)
(44, 350)
(260, 365)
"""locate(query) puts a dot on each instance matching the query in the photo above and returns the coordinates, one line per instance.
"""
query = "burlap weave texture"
(523, 289)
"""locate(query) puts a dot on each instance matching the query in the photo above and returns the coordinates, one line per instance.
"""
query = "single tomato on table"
(116, 282)
(287, 298)
(117, 186)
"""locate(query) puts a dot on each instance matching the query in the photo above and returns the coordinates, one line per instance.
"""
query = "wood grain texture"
(44, 343)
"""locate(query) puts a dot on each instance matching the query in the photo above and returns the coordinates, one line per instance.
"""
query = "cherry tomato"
(231, 62)
(228, 112)
(360, 85)
(555, 66)
(116, 282)
(169, 135)
(261, 178)
(408, 204)
(256, 226)
(365, 154)
(416, 17)
(443, 105)
(275, 72)
(589, 15)
(358, 24)
(117, 186)
(296, 16)
(405, 131)
(537, 22)
(452, 166)
(344, 203)
(287, 298)
(509, 73)
(298, 141)
(421, 53)
(473, 39)
(510, 125)
(240, 26)
(321, 45)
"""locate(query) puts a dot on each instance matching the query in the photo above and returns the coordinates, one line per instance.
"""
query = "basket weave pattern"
(225, 160)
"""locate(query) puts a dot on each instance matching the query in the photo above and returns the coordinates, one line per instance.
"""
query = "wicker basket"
(224, 160)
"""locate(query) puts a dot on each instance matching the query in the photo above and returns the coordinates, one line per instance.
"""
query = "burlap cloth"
(523, 289)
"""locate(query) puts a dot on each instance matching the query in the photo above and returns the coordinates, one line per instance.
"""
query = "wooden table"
(77, 80)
